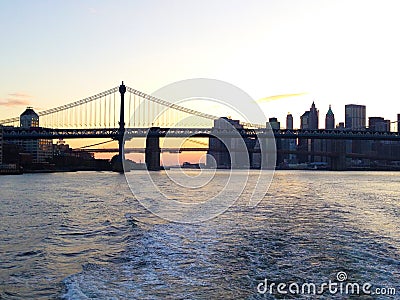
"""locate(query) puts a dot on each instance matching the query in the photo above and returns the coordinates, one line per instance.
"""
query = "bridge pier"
(339, 161)
(153, 151)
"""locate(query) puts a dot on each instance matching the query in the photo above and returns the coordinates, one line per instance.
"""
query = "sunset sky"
(289, 52)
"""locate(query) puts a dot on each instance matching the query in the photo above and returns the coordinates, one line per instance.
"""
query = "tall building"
(330, 119)
(340, 126)
(29, 118)
(273, 122)
(289, 144)
(305, 120)
(398, 122)
(40, 150)
(355, 116)
(289, 121)
(309, 120)
(378, 124)
(314, 114)
(222, 154)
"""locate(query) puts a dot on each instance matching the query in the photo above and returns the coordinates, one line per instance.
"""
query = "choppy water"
(73, 236)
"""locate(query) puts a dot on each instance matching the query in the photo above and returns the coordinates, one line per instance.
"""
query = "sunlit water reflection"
(84, 236)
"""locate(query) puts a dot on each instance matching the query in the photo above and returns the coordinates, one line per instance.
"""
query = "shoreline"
(277, 169)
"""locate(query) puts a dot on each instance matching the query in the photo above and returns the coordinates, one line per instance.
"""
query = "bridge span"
(10, 133)
(139, 115)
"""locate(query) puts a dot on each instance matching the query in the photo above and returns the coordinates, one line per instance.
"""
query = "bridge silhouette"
(139, 115)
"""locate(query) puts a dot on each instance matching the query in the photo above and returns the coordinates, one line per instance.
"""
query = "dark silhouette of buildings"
(309, 120)
(40, 150)
(398, 122)
(41, 154)
(378, 124)
(289, 121)
(355, 116)
(340, 126)
(29, 118)
(219, 156)
(330, 119)
(274, 123)
(314, 114)
(289, 144)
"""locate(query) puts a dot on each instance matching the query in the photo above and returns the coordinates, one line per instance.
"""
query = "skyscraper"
(289, 144)
(29, 118)
(314, 113)
(378, 124)
(273, 122)
(330, 119)
(355, 116)
(398, 122)
(226, 153)
(309, 120)
(42, 149)
(305, 120)
(289, 121)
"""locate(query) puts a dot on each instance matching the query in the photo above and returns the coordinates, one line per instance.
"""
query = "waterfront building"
(330, 119)
(355, 116)
(40, 150)
(29, 118)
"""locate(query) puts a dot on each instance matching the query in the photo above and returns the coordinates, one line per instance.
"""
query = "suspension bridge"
(122, 113)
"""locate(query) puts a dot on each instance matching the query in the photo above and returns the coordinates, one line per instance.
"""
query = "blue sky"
(333, 52)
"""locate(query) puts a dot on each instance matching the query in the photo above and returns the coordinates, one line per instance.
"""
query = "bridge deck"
(10, 133)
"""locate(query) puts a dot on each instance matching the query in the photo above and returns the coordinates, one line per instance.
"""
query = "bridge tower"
(118, 166)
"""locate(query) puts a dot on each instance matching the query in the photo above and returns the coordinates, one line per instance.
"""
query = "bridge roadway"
(17, 133)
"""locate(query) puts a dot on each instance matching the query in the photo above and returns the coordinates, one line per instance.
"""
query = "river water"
(84, 236)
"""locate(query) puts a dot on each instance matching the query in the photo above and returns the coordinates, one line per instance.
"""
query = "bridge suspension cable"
(170, 105)
(183, 109)
(142, 110)
(56, 110)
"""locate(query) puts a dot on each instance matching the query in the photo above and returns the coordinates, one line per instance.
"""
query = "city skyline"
(291, 53)
(355, 120)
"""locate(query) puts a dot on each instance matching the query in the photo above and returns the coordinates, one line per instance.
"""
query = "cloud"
(278, 97)
(13, 102)
(15, 99)
(20, 95)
